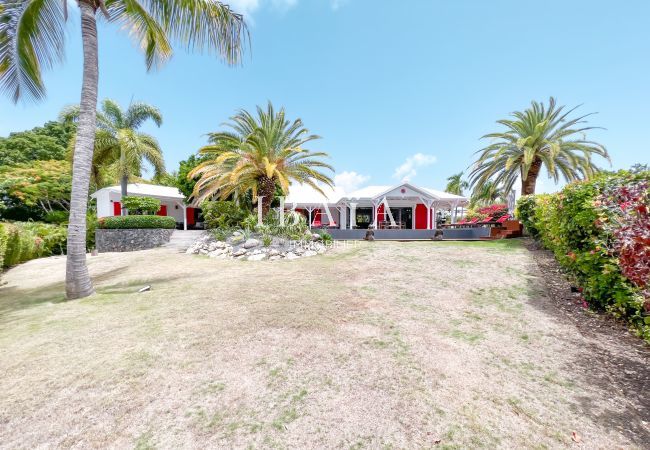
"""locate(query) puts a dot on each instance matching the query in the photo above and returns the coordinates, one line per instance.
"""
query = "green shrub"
(22, 245)
(326, 238)
(3, 243)
(58, 217)
(222, 214)
(581, 225)
(140, 205)
(91, 226)
(53, 238)
(132, 222)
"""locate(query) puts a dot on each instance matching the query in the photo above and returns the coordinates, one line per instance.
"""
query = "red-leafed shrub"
(626, 219)
(495, 211)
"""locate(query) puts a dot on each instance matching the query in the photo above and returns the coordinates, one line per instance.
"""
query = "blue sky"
(395, 88)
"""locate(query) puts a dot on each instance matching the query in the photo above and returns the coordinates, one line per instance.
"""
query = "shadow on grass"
(612, 358)
(14, 298)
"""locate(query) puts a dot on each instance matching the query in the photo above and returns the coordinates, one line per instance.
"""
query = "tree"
(456, 185)
(119, 146)
(259, 154)
(184, 183)
(539, 136)
(40, 143)
(32, 37)
(488, 193)
(44, 184)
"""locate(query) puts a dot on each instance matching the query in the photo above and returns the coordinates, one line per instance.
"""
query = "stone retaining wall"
(128, 240)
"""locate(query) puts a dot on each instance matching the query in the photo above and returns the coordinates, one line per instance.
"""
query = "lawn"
(376, 345)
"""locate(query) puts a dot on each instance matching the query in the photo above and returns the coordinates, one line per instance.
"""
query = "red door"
(162, 211)
(117, 209)
(189, 215)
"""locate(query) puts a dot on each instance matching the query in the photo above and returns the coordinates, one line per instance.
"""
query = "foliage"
(486, 194)
(259, 154)
(456, 185)
(141, 205)
(222, 214)
(249, 222)
(326, 238)
(183, 181)
(57, 217)
(495, 211)
(599, 232)
(22, 241)
(294, 227)
(42, 184)
(135, 222)
(91, 226)
(120, 149)
(41, 143)
(539, 136)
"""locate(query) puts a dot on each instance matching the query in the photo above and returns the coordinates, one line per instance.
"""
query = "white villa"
(411, 207)
(172, 202)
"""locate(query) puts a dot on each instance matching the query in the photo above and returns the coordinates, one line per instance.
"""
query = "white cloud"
(245, 7)
(407, 170)
(337, 4)
(350, 181)
(248, 7)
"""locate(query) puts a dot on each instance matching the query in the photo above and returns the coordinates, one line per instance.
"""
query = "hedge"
(599, 231)
(131, 222)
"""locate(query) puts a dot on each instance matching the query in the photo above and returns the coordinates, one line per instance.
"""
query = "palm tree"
(487, 193)
(456, 185)
(259, 154)
(539, 136)
(32, 38)
(119, 146)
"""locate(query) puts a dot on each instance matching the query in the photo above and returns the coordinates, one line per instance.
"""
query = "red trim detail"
(162, 211)
(117, 209)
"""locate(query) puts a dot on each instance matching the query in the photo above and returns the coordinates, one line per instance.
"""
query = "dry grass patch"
(383, 344)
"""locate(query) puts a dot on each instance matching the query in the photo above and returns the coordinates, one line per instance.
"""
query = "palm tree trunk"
(266, 188)
(124, 181)
(77, 282)
(528, 185)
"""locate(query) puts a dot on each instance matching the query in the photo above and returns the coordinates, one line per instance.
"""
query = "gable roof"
(146, 190)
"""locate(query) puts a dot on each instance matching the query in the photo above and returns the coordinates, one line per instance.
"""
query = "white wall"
(106, 200)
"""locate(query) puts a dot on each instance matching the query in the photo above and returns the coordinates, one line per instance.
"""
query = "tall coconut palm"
(258, 154)
(487, 193)
(32, 38)
(456, 185)
(539, 136)
(119, 146)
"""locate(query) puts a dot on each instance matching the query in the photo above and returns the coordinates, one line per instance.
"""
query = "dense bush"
(495, 211)
(131, 222)
(58, 217)
(223, 214)
(53, 237)
(599, 231)
(21, 244)
(141, 205)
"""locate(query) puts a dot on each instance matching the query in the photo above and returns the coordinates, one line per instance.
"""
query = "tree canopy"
(48, 142)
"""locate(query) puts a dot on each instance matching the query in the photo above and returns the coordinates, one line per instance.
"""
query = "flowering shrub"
(495, 211)
(599, 231)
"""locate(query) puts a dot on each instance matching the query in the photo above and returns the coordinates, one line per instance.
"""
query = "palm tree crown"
(456, 185)
(120, 148)
(32, 34)
(539, 136)
(258, 154)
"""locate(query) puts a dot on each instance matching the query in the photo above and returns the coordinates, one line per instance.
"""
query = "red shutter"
(117, 209)
(162, 211)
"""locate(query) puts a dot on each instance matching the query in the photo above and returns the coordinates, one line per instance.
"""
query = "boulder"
(216, 253)
(309, 253)
(292, 255)
(257, 257)
(274, 252)
(239, 252)
(250, 243)
(275, 257)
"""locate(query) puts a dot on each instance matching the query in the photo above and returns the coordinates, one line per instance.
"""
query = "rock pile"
(252, 248)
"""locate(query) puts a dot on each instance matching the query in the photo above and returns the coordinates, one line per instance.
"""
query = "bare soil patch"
(379, 345)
